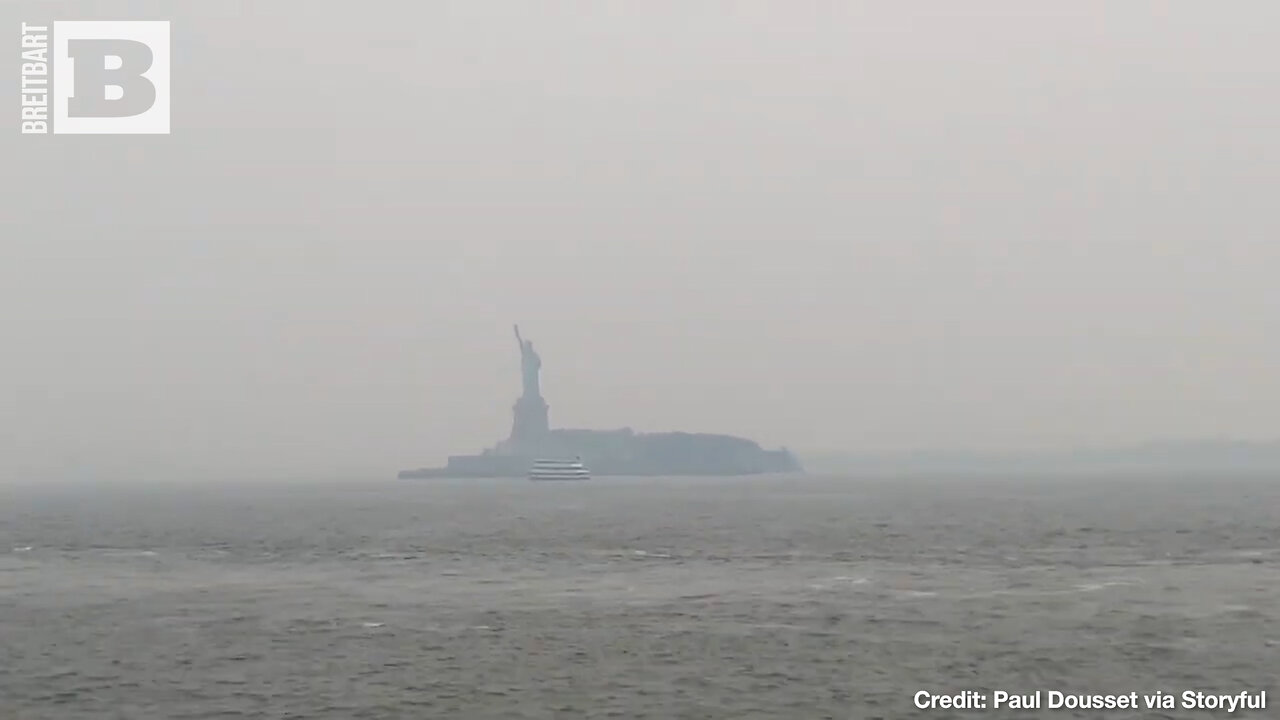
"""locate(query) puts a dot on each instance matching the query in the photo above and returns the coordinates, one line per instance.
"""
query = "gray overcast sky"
(838, 225)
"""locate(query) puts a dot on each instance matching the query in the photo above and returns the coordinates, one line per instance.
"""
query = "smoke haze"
(842, 226)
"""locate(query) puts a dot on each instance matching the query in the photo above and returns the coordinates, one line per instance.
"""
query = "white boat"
(559, 470)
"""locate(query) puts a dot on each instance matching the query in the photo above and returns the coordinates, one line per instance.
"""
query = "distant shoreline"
(1235, 457)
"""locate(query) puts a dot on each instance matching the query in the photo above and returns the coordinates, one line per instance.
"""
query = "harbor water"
(767, 597)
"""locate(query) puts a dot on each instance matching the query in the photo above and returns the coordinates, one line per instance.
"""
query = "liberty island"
(606, 452)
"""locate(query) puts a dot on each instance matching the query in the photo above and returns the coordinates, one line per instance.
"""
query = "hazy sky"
(837, 225)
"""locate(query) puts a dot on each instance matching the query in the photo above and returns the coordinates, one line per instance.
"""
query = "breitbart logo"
(95, 78)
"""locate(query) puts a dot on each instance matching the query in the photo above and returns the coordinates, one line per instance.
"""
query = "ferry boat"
(559, 470)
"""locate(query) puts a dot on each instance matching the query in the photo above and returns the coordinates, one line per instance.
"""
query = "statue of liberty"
(530, 365)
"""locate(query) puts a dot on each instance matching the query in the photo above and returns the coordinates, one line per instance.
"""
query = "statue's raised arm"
(529, 365)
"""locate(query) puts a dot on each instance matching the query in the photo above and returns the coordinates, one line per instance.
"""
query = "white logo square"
(110, 77)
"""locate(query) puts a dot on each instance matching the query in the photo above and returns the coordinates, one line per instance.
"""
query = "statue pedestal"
(531, 424)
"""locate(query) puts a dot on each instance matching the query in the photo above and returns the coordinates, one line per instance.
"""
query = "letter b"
(92, 78)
